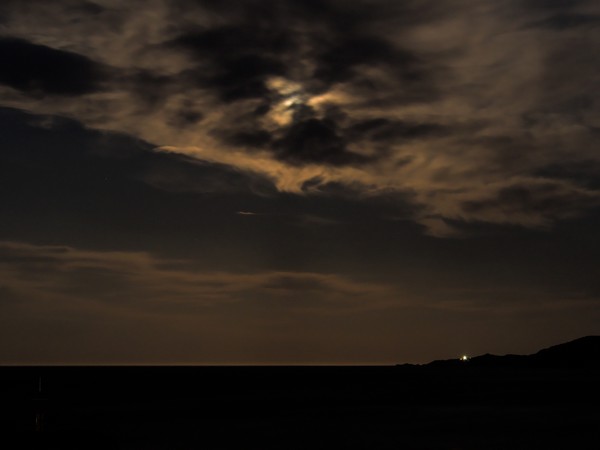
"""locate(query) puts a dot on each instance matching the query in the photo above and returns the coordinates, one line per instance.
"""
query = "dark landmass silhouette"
(580, 353)
(548, 400)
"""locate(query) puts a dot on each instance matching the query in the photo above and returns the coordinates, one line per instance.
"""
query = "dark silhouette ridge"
(579, 353)
(547, 400)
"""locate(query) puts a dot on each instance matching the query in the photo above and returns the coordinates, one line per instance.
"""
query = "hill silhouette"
(519, 402)
(580, 353)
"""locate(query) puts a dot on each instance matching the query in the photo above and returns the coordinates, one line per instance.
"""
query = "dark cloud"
(341, 60)
(244, 77)
(71, 6)
(89, 8)
(337, 63)
(178, 173)
(555, 4)
(311, 140)
(323, 141)
(246, 38)
(150, 89)
(383, 129)
(251, 139)
(185, 117)
(39, 144)
(541, 202)
(315, 141)
(582, 173)
(286, 15)
(54, 170)
(239, 58)
(567, 21)
(39, 70)
(235, 58)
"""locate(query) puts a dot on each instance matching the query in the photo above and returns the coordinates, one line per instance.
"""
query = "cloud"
(39, 70)
(235, 60)
(64, 304)
(141, 282)
(457, 104)
(179, 173)
(315, 141)
(552, 5)
(565, 21)
(132, 282)
(533, 203)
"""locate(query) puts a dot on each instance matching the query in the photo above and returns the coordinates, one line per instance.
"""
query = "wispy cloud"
(459, 103)
(142, 282)
(62, 304)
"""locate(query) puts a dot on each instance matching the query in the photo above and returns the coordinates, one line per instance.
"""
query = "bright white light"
(292, 100)
(464, 358)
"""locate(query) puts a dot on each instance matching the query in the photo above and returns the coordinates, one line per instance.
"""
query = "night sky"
(297, 181)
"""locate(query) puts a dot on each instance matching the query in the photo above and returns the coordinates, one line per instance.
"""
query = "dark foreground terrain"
(444, 405)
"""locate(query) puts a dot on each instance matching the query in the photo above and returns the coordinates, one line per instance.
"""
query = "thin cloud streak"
(140, 281)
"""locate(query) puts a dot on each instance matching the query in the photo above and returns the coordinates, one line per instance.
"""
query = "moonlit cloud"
(457, 102)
